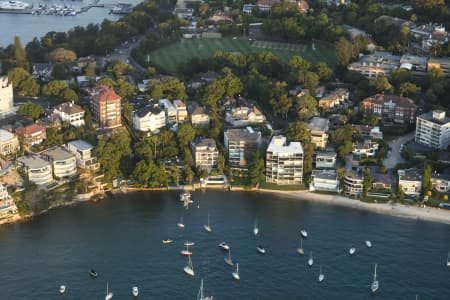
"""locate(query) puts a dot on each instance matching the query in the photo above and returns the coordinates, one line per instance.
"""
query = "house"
(31, 135)
(381, 181)
(106, 107)
(9, 143)
(243, 115)
(353, 182)
(401, 23)
(182, 114)
(42, 71)
(367, 131)
(325, 159)
(149, 118)
(38, 170)
(248, 8)
(302, 6)
(377, 64)
(199, 115)
(391, 108)
(170, 111)
(6, 97)
(50, 121)
(266, 5)
(7, 206)
(206, 155)
(410, 181)
(366, 148)
(318, 127)
(241, 145)
(442, 64)
(183, 13)
(433, 130)
(71, 113)
(83, 62)
(324, 180)
(333, 100)
(441, 181)
(63, 162)
(83, 154)
(284, 162)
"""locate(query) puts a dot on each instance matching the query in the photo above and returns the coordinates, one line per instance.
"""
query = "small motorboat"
(62, 289)
(185, 196)
(304, 233)
(93, 273)
(224, 246)
(352, 250)
(236, 273)
(187, 243)
(448, 261)
(310, 260)
(368, 244)
(186, 252)
(135, 291)
(168, 241)
(181, 224)
(261, 249)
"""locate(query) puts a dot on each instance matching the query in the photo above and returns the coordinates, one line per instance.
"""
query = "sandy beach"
(398, 210)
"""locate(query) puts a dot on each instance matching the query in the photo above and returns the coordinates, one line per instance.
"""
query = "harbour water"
(28, 26)
(121, 238)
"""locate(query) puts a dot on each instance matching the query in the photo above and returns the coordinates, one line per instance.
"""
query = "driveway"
(394, 156)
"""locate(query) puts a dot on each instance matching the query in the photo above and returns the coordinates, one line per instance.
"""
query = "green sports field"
(170, 56)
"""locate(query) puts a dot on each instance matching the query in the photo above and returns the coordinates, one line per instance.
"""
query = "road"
(394, 156)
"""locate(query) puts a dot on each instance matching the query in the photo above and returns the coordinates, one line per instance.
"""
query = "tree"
(407, 88)
(311, 82)
(118, 69)
(325, 73)
(54, 88)
(342, 140)
(31, 110)
(90, 71)
(306, 107)
(367, 181)
(188, 174)
(426, 180)
(185, 134)
(23, 83)
(298, 132)
(343, 52)
(231, 82)
(256, 169)
(20, 54)
(381, 84)
(279, 99)
(168, 88)
(125, 89)
(69, 95)
(60, 72)
(141, 173)
(61, 55)
(109, 82)
(175, 173)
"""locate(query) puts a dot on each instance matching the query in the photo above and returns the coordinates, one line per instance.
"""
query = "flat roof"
(81, 145)
(429, 117)
(33, 162)
(242, 134)
(325, 174)
(318, 124)
(58, 153)
(279, 144)
(5, 135)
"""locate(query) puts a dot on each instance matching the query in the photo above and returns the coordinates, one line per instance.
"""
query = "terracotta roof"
(104, 93)
(268, 2)
(399, 101)
(302, 5)
(69, 108)
(28, 130)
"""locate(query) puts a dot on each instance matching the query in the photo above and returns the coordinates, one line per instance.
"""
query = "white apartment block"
(7, 206)
(170, 110)
(150, 118)
(433, 130)
(71, 113)
(63, 162)
(182, 113)
(38, 170)
(284, 162)
(6, 97)
(324, 180)
(83, 153)
(206, 154)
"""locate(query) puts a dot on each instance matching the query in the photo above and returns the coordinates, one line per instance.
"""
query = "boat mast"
(375, 274)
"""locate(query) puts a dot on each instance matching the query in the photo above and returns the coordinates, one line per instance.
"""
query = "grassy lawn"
(170, 56)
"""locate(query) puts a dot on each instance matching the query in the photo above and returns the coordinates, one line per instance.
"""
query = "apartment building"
(9, 143)
(71, 113)
(318, 127)
(353, 182)
(433, 130)
(410, 181)
(149, 118)
(31, 135)
(241, 145)
(182, 113)
(38, 170)
(64, 163)
(6, 97)
(391, 108)
(205, 151)
(324, 180)
(106, 107)
(284, 162)
(84, 154)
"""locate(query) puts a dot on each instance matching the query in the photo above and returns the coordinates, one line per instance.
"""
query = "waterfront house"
(170, 111)
(381, 181)
(7, 206)
(353, 182)
(324, 180)
(37, 170)
(441, 181)
(106, 107)
(9, 143)
(31, 135)
(241, 145)
(318, 127)
(199, 115)
(84, 154)
(410, 181)
(182, 114)
(284, 162)
(376, 64)
(63, 162)
(6, 97)
(205, 151)
(325, 159)
(391, 108)
(149, 118)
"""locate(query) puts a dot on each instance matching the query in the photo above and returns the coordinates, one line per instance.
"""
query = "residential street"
(394, 156)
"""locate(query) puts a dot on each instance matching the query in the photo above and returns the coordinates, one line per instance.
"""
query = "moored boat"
(135, 291)
(224, 246)
(261, 249)
(93, 273)
(62, 289)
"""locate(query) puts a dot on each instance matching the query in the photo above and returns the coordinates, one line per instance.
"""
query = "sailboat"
(304, 233)
(321, 276)
(186, 252)
(189, 269)
(207, 226)
(255, 230)
(310, 260)
(448, 261)
(300, 250)
(368, 244)
(62, 289)
(135, 291)
(181, 224)
(200, 295)
(228, 260)
(375, 285)
(352, 250)
(109, 294)
(236, 273)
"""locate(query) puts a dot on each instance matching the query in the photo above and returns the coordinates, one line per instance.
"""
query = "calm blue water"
(30, 26)
(121, 239)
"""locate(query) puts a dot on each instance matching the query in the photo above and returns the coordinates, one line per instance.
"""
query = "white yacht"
(207, 227)
(186, 252)
(352, 250)
(62, 289)
(181, 224)
(321, 275)
(310, 260)
(448, 261)
(135, 291)
(189, 269)
(261, 249)
(200, 295)
(304, 233)
(368, 244)
(255, 230)
(300, 250)
(14, 5)
(187, 243)
(228, 260)
(185, 196)
(224, 246)
(168, 241)
(375, 285)
(109, 294)
(236, 273)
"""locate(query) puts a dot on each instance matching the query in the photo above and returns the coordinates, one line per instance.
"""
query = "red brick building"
(31, 135)
(391, 108)
(105, 107)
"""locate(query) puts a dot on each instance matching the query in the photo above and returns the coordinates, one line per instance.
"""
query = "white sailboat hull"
(321, 277)
(135, 291)
(310, 262)
(207, 228)
(236, 276)
(304, 233)
(374, 286)
(188, 270)
(300, 251)
(368, 244)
